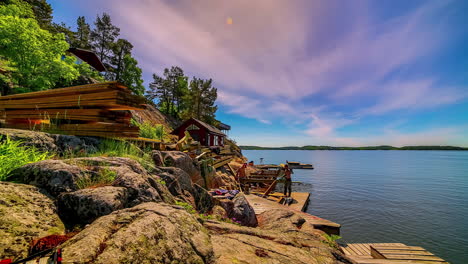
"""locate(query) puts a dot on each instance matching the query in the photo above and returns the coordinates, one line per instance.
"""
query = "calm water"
(417, 198)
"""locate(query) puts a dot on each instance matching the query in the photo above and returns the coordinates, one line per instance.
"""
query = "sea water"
(418, 198)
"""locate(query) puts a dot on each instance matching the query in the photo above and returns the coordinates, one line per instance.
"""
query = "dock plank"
(389, 253)
(261, 205)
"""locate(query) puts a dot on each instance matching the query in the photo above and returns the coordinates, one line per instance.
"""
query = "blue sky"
(341, 73)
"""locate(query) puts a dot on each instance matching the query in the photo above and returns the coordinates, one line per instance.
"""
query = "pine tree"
(130, 75)
(82, 34)
(120, 49)
(159, 89)
(103, 37)
(200, 101)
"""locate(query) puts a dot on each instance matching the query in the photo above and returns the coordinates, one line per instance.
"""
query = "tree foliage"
(131, 75)
(82, 35)
(178, 97)
(103, 37)
(202, 97)
(120, 49)
(34, 53)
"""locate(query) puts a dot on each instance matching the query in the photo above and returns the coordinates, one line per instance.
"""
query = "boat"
(298, 165)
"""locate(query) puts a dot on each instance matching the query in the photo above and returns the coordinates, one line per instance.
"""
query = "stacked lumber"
(86, 110)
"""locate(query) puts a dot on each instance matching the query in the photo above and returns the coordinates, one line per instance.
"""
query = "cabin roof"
(89, 57)
(223, 126)
(210, 128)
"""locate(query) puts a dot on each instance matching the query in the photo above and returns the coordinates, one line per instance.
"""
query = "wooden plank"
(346, 250)
(412, 257)
(363, 260)
(405, 252)
(378, 247)
(81, 89)
(62, 98)
(358, 249)
(364, 248)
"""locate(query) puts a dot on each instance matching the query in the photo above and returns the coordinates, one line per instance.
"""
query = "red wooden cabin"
(200, 131)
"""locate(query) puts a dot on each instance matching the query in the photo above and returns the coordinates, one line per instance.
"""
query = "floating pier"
(389, 253)
(261, 205)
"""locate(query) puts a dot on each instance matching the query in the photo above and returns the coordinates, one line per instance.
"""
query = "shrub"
(147, 130)
(13, 155)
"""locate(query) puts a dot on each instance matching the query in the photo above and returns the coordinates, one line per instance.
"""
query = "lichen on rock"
(147, 233)
(26, 213)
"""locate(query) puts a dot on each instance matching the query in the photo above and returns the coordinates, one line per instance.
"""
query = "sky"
(300, 72)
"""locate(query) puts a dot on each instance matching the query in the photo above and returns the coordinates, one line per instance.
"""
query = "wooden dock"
(389, 253)
(261, 205)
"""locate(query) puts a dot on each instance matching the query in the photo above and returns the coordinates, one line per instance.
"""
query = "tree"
(82, 34)
(158, 89)
(103, 37)
(43, 13)
(65, 30)
(34, 53)
(131, 75)
(200, 101)
(120, 49)
(169, 90)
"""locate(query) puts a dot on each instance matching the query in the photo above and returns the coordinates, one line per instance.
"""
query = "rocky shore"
(161, 213)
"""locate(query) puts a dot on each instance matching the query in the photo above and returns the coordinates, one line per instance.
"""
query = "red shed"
(200, 131)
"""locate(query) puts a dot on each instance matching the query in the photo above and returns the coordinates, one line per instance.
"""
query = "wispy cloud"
(300, 62)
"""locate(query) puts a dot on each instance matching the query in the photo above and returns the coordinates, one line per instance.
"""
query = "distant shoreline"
(356, 148)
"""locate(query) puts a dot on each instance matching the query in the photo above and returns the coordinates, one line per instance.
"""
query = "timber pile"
(87, 110)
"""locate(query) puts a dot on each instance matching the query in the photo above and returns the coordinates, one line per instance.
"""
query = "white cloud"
(276, 53)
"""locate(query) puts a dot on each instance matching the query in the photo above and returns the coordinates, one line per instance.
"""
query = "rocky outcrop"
(182, 161)
(147, 233)
(55, 176)
(280, 219)
(238, 244)
(131, 185)
(240, 210)
(84, 206)
(179, 183)
(52, 142)
(26, 213)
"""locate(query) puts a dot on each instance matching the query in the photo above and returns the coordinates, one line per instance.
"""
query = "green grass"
(118, 148)
(13, 155)
(147, 130)
(104, 177)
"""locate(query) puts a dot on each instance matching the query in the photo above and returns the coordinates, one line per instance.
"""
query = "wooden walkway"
(389, 253)
(261, 205)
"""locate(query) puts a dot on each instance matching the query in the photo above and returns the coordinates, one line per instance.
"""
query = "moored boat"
(298, 165)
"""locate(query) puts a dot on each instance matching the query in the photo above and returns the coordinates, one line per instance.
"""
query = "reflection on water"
(414, 197)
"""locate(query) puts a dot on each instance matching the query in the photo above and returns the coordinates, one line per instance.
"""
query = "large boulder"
(239, 244)
(55, 143)
(203, 200)
(86, 205)
(55, 176)
(147, 233)
(59, 176)
(240, 210)
(183, 161)
(26, 213)
(280, 219)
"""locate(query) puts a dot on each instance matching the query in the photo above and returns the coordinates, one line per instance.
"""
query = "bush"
(13, 155)
(147, 130)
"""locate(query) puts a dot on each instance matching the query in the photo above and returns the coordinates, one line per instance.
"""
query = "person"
(287, 180)
(241, 171)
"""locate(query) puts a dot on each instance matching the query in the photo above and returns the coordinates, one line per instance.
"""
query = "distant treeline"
(355, 148)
